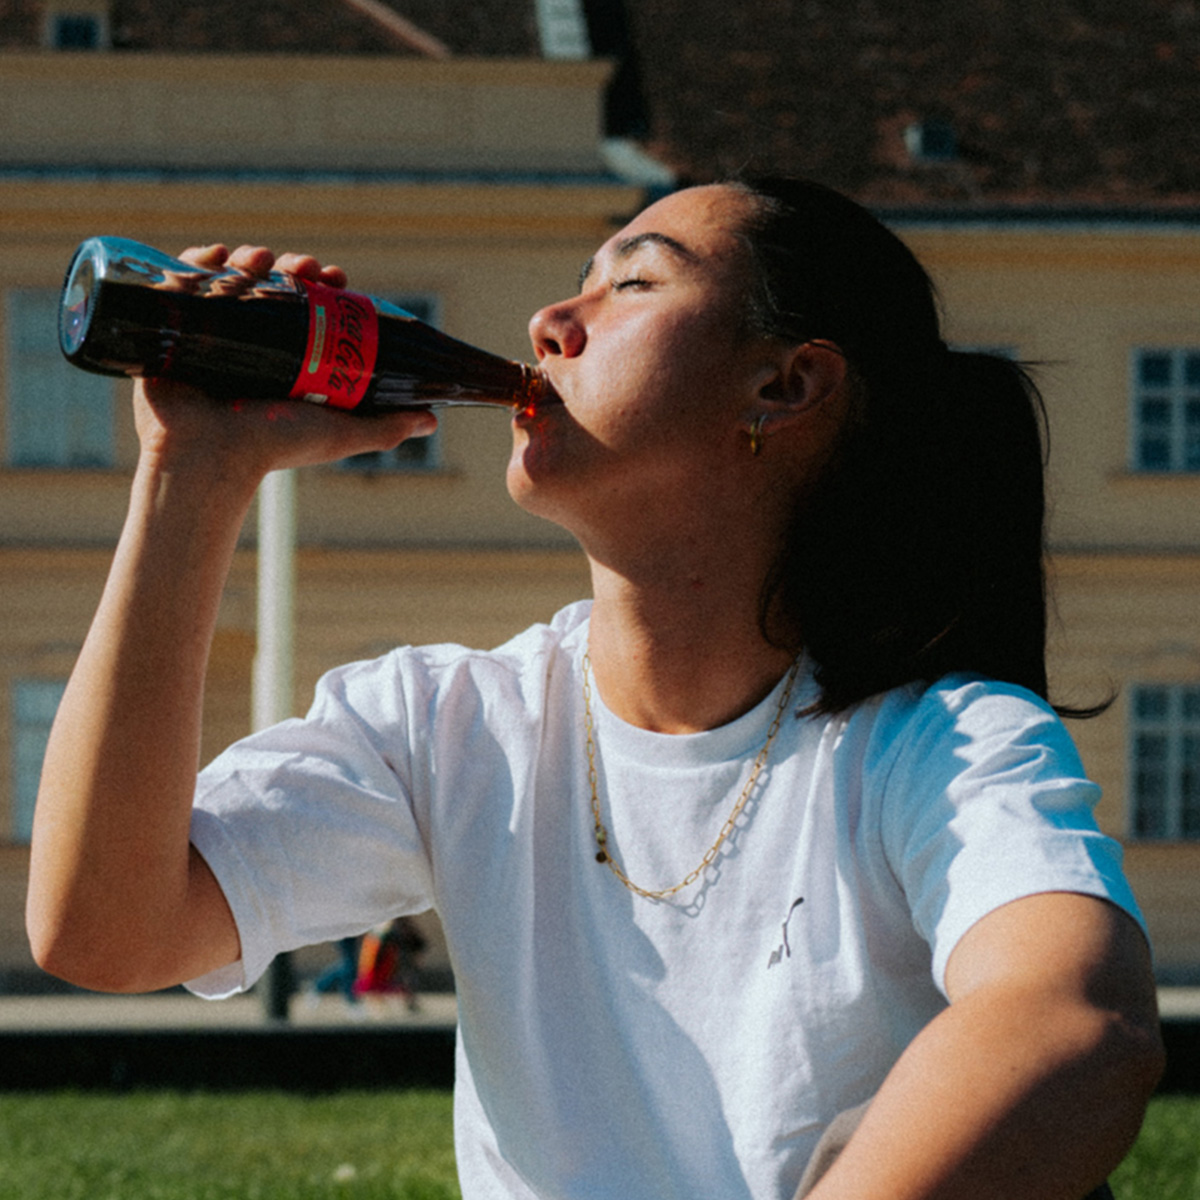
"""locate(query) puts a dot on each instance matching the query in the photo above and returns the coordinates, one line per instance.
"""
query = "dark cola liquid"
(125, 311)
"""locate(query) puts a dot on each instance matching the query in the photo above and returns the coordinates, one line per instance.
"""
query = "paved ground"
(181, 1011)
(176, 1011)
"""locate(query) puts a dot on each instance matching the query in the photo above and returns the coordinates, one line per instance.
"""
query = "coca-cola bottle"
(128, 309)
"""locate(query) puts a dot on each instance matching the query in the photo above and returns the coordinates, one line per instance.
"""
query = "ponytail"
(920, 551)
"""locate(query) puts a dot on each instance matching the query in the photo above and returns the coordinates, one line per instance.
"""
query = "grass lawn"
(345, 1146)
(226, 1146)
(1165, 1162)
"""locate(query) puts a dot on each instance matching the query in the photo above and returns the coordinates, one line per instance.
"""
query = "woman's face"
(653, 372)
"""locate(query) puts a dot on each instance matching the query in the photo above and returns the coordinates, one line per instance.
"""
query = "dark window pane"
(1191, 435)
(76, 33)
(1154, 369)
(1154, 412)
(1154, 454)
(1189, 787)
(1151, 703)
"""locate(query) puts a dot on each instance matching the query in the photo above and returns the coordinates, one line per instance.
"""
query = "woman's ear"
(805, 380)
(810, 374)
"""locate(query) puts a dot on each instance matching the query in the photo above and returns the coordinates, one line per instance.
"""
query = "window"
(1166, 410)
(75, 32)
(930, 141)
(416, 454)
(1165, 762)
(35, 701)
(57, 415)
(76, 24)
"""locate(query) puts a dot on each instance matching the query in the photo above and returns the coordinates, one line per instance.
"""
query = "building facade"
(1107, 312)
(468, 190)
(465, 159)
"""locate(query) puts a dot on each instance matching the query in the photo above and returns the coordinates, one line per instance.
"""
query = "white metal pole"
(273, 674)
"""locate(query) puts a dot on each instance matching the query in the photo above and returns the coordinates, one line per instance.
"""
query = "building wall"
(492, 254)
(350, 604)
(496, 225)
(1125, 546)
(1075, 300)
(477, 183)
(1127, 619)
(275, 111)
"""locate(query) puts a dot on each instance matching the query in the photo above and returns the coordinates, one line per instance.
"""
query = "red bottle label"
(343, 341)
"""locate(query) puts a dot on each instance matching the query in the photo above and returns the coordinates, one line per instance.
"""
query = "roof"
(478, 28)
(1076, 102)
(997, 105)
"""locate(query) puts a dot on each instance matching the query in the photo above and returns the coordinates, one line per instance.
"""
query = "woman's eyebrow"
(631, 245)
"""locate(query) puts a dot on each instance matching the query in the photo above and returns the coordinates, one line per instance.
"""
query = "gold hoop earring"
(756, 434)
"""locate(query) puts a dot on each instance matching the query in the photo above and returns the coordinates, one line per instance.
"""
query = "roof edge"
(1059, 217)
(410, 35)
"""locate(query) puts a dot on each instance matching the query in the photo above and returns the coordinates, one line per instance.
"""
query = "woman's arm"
(1033, 1083)
(118, 900)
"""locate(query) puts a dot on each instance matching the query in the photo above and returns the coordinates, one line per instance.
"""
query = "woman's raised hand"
(118, 901)
(179, 426)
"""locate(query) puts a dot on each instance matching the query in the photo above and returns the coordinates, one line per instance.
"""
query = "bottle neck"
(533, 387)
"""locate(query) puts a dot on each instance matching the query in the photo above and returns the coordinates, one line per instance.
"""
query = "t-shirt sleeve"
(311, 828)
(987, 802)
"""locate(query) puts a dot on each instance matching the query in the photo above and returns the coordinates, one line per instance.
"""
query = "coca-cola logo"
(343, 340)
(347, 352)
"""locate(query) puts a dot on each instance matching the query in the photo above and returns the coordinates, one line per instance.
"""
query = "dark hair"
(921, 548)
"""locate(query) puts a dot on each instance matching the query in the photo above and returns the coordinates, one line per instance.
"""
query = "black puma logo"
(785, 949)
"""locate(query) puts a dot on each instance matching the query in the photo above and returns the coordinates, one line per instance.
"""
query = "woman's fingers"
(308, 267)
(209, 257)
(254, 260)
(261, 261)
(180, 422)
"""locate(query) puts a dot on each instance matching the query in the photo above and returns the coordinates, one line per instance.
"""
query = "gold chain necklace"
(604, 855)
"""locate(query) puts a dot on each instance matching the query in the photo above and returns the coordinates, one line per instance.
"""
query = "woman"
(778, 823)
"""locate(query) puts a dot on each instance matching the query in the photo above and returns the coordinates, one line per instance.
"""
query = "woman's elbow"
(1131, 1059)
(76, 965)
(72, 949)
(1144, 1054)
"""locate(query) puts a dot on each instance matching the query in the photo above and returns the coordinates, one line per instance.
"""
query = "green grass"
(345, 1146)
(1164, 1164)
(227, 1146)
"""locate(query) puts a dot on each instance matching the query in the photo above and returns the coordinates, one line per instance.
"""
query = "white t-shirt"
(617, 1048)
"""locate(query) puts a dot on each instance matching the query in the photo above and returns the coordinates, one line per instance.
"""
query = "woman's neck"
(681, 652)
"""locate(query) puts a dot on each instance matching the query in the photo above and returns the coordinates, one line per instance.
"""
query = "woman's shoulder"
(409, 685)
(527, 650)
(960, 700)
(431, 673)
(956, 721)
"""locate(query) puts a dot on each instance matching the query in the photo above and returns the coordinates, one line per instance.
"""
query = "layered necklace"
(604, 854)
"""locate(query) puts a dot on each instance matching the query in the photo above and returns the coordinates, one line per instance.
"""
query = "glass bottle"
(128, 309)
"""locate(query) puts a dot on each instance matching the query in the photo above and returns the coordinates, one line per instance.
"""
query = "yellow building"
(473, 189)
(1108, 311)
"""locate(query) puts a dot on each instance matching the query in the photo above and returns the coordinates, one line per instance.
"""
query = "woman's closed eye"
(635, 283)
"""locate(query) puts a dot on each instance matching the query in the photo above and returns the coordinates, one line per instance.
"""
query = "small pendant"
(601, 856)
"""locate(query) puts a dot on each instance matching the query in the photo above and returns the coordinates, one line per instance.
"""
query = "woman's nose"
(556, 330)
